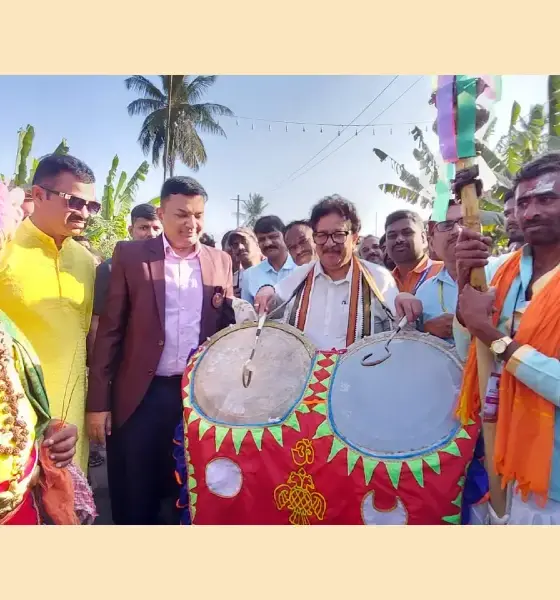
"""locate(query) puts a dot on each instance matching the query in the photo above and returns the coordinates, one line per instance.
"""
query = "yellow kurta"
(48, 294)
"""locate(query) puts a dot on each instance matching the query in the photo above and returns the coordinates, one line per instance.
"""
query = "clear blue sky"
(90, 112)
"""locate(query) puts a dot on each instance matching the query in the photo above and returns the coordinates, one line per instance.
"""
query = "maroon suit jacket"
(131, 332)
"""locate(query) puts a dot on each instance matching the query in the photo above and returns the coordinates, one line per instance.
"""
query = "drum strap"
(362, 285)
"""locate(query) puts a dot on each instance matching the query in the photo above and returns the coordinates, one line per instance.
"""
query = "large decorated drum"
(321, 438)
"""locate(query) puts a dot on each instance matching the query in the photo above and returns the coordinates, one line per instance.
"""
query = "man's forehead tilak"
(545, 185)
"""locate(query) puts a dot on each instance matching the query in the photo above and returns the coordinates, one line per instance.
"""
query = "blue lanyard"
(423, 277)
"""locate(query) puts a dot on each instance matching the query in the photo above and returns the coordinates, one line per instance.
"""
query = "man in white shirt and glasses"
(338, 298)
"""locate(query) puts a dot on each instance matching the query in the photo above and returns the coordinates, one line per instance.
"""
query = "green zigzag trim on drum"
(393, 466)
(455, 519)
(240, 433)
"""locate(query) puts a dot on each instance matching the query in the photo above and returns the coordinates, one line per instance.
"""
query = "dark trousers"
(140, 464)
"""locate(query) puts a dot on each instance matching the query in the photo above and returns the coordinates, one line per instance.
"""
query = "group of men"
(112, 345)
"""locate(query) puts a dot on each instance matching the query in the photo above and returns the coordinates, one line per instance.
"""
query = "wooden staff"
(471, 216)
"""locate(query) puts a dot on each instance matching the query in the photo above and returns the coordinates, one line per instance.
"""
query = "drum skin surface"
(317, 463)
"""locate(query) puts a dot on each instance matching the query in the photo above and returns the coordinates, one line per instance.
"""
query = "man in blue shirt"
(278, 264)
(439, 294)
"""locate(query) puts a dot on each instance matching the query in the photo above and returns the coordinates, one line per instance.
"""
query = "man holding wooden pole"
(515, 379)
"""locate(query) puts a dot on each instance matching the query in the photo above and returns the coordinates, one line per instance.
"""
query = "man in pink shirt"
(166, 295)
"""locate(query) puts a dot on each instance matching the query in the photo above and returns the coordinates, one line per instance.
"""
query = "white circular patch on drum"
(373, 516)
(224, 477)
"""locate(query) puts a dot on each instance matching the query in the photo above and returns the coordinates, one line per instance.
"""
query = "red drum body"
(321, 439)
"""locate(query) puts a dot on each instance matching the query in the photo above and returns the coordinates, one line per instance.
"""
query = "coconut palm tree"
(110, 226)
(253, 209)
(177, 103)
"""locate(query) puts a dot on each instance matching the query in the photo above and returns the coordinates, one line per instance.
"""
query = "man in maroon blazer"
(166, 295)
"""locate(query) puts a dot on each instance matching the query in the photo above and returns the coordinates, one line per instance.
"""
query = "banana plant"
(105, 230)
(22, 177)
(524, 139)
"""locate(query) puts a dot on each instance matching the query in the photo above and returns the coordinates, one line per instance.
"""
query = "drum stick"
(471, 217)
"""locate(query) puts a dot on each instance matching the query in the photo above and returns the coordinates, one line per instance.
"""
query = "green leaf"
(62, 148)
(490, 130)
(515, 114)
(406, 194)
(34, 166)
(24, 148)
(554, 106)
(405, 176)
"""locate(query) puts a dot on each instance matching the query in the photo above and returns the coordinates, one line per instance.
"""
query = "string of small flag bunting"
(272, 124)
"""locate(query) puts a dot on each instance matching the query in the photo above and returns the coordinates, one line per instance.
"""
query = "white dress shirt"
(327, 316)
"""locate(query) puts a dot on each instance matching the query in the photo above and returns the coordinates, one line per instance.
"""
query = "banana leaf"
(406, 194)
(62, 148)
(108, 200)
(554, 106)
(405, 176)
(24, 148)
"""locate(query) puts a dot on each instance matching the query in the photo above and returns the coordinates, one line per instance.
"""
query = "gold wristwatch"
(499, 347)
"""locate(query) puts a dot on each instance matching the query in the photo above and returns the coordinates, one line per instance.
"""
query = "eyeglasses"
(338, 237)
(445, 226)
(76, 203)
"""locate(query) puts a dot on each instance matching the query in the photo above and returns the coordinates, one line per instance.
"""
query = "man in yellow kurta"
(46, 284)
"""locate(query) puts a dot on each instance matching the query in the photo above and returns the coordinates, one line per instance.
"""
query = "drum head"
(402, 407)
(281, 366)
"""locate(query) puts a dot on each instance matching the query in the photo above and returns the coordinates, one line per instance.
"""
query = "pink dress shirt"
(183, 309)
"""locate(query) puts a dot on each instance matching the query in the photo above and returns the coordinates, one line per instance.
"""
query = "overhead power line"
(347, 140)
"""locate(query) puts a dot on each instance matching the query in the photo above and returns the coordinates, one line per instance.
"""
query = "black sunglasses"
(76, 203)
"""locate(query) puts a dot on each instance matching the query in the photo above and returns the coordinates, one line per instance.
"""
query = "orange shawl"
(525, 428)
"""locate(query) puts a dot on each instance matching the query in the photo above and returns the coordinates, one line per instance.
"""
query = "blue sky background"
(90, 112)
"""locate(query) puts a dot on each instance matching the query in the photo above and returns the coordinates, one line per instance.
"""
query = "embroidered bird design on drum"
(298, 495)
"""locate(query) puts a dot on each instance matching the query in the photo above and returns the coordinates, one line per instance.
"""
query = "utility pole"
(238, 210)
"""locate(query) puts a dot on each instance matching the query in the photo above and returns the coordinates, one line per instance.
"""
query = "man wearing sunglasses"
(46, 284)
(338, 298)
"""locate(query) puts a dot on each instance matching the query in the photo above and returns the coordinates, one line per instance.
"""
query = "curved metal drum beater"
(248, 368)
(373, 363)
